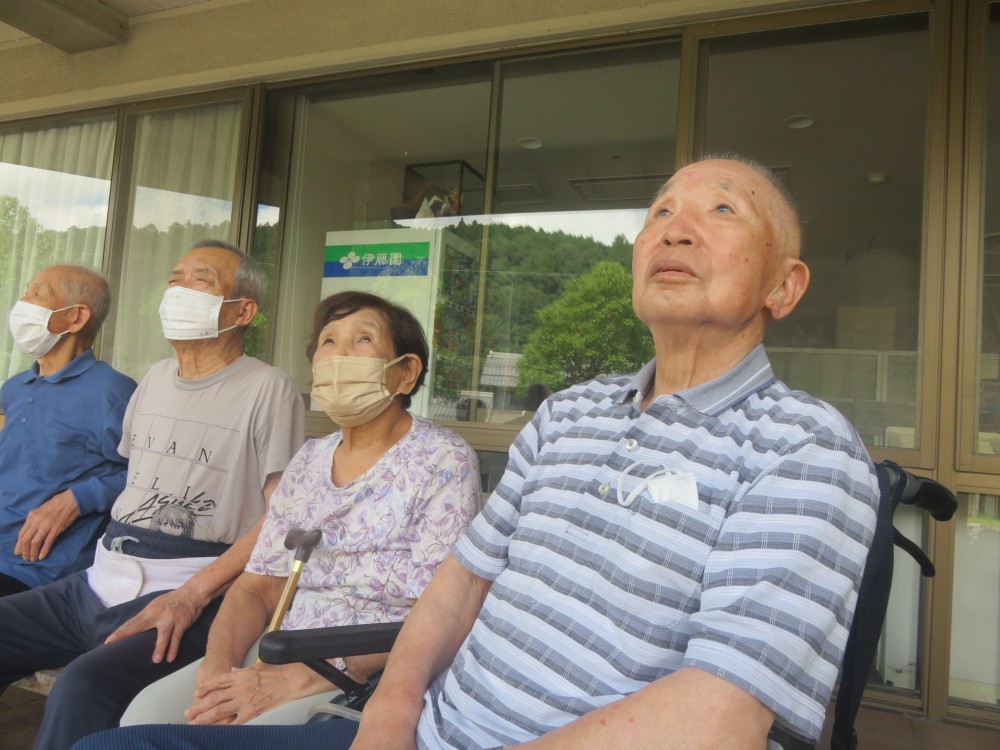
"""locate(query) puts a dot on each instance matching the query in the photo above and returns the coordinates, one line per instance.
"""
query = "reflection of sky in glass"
(57, 200)
(163, 208)
(267, 215)
(602, 226)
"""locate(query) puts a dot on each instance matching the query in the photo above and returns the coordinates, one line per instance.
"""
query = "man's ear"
(786, 295)
(79, 317)
(248, 309)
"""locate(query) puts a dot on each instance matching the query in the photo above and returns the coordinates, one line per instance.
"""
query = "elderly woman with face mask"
(390, 492)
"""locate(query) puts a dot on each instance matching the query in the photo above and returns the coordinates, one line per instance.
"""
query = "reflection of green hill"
(535, 305)
(529, 268)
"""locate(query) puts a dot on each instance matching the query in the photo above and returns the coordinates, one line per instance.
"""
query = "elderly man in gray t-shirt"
(207, 436)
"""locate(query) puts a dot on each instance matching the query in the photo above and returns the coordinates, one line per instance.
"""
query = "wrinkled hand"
(44, 524)
(171, 614)
(240, 695)
(210, 668)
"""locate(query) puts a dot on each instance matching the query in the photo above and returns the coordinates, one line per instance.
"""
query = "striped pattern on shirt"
(754, 580)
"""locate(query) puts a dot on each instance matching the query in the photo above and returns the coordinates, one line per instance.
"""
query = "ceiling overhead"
(74, 26)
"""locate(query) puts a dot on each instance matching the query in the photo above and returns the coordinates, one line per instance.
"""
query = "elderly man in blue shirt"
(60, 470)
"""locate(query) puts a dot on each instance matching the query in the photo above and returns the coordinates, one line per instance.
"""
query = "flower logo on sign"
(349, 260)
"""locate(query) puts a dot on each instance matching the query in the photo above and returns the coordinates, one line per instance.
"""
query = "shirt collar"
(76, 366)
(750, 374)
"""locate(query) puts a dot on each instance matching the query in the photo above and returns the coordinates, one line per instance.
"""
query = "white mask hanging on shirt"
(188, 314)
(664, 486)
(29, 325)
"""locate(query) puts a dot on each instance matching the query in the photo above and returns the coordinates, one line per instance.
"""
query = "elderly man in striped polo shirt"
(672, 559)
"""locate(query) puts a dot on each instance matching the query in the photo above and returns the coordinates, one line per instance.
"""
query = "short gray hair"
(79, 285)
(249, 279)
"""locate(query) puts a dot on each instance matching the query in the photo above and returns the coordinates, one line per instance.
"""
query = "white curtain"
(183, 179)
(55, 182)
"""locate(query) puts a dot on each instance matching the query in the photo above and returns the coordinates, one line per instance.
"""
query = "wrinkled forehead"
(216, 262)
(45, 284)
(722, 176)
(366, 318)
(40, 286)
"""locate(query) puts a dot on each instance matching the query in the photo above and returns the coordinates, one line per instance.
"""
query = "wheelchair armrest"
(288, 646)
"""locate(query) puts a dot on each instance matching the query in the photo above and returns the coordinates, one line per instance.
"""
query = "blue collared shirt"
(61, 432)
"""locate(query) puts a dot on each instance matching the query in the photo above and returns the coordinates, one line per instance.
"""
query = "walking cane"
(303, 542)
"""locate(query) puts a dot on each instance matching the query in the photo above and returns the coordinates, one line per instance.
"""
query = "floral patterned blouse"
(383, 534)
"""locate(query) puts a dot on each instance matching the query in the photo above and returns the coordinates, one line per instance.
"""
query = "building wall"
(236, 41)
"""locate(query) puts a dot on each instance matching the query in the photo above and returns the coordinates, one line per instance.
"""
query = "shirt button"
(24, 420)
(631, 444)
(604, 488)
(31, 399)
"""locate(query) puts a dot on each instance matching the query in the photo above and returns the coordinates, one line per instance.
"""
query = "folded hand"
(240, 695)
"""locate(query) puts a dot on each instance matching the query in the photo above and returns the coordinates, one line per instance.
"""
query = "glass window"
(585, 140)
(386, 177)
(55, 183)
(840, 112)
(850, 148)
(491, 468)
(975, 624)
(385, 186)
(975, 620)
(183, 167)
(988, 428)
(896, 664)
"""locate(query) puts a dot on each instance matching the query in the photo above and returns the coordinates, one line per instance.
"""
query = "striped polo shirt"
(725, 527)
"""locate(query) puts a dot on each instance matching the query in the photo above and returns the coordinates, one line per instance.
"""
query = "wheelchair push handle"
(930, 496)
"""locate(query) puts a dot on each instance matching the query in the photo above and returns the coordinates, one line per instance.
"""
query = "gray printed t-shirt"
(199, 451)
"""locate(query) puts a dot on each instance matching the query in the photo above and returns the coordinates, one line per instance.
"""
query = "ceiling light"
(532, 144)
(876, 178)
(799, 122)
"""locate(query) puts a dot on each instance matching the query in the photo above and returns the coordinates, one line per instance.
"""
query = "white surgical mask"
(627, 500)
(663, 485)
(29, 325)
(188, 314)
(352, 390)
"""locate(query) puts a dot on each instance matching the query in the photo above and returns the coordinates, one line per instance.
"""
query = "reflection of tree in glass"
(589, 331)
(266, 239)
(528, 269)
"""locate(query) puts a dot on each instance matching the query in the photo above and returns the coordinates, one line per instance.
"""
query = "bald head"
(718, 251)
(79, 285)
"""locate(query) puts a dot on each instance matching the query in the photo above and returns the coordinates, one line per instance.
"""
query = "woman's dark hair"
(405, 330)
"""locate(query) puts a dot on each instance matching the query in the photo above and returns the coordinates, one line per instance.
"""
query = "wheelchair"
(896, 487)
